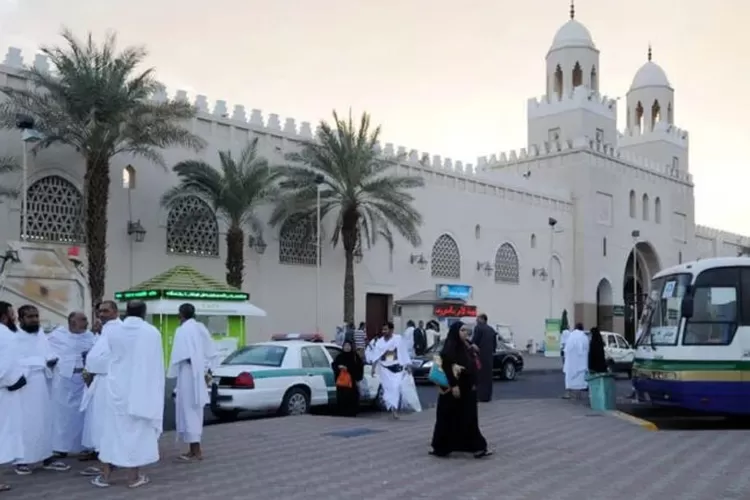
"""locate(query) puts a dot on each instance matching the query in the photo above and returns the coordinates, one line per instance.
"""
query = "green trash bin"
(602, 391)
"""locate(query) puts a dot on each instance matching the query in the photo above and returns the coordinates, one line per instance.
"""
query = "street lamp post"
(318, 314)
(635, 234)
(28, 134)
(552, 223)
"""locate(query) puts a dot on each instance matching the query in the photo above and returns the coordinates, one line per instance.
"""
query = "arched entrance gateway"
(636, 281)
(604, 310)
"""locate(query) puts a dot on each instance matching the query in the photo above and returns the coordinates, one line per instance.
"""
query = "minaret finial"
(649, 52)
(572, 9)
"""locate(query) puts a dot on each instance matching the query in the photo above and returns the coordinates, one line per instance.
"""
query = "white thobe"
(134, 395)
(68, 388)
(193, 354)
(93, 403)
(396, 354)
(34, 351)
(408, 339)
(576, 363)
(11, 414)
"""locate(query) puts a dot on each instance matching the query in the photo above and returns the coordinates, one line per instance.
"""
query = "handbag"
(437, 376)
(344, 380)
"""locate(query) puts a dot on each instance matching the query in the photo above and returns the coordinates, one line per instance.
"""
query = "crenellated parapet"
(580, 98)
(552, 149)
(662, 131)
(720, 236)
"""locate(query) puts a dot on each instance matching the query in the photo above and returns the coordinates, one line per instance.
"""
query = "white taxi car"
(619, 353)
(288, 377)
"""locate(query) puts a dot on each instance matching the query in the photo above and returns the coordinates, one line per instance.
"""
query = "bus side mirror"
(687, 306)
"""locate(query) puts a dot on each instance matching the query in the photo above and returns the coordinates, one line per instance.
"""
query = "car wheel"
(296, 402)
(509, 370)
(225, 415)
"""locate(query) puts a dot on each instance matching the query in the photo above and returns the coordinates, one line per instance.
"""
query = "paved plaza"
(545, 449)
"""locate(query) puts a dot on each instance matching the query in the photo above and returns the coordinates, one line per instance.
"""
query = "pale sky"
(441, 76)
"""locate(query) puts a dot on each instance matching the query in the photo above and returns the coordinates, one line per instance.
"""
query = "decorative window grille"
(446, 259)
(192, 228)
(55, 211)
(297, 242)
(506, 264)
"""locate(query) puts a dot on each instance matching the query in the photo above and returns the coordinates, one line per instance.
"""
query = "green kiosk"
(220, 307)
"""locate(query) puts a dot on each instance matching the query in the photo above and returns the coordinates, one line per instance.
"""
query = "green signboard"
(169, 294)
(552, 337)
(618, 311)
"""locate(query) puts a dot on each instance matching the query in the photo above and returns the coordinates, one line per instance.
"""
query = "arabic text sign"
(455, 311)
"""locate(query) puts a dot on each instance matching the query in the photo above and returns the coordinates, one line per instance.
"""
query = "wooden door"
(376, 312)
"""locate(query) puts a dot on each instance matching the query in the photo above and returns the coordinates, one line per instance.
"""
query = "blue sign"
(454, 292)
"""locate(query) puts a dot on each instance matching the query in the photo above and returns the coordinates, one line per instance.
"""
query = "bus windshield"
(663, 313)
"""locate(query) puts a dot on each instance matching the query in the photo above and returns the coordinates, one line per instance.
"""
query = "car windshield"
(261, 355)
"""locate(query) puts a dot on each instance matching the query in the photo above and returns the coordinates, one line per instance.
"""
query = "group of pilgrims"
(98, 393)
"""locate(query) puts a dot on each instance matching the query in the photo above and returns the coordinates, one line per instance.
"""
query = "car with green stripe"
(287, 377)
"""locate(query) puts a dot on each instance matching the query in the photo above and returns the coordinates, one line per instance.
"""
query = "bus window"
(715, 308)
(664, 310)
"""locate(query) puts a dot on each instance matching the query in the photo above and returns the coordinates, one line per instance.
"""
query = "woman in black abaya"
(347, 398)
(457, 422)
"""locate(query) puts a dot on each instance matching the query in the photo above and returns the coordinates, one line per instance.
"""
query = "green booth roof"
(182, 283)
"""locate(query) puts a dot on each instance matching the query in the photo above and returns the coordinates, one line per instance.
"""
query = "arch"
(632, 204)
(55, 211)
(507, 269)
(298, 242)
(645, 207)
(657, 210)
(577, 75)
(639, 116)
(445, 259)
(636, 285)
(477, 231)
(604, 305)
(192, 228)
(670, 114)
(594, 79)
(558, 85)
(128, 177)
(556, 273)
(655, 113)
(532, 241)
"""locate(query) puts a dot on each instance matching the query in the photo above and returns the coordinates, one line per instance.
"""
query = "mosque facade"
(520, 235)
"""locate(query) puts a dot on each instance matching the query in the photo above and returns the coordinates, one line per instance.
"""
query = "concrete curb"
(626, 417)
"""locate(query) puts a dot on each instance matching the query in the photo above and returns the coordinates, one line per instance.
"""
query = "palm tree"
(8, 165)
(98, 102)
(235, 192)
(358, 188)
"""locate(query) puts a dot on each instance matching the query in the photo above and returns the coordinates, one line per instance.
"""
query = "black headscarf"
(350, 360)
(597, 359)
(455, 347)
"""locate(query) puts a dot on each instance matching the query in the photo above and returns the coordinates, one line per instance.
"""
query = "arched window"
(55, 211)
(679, 257)
(670, 115)
(192, 228)
(446, 258)
(604, 247)
(657, 210)
(645, 208)
(298, 242)
(533, 241)
(506, 264)
(128, 177)
(632, 204)
(577, 76)
(594, 79)
(558, 82)
(655, 114)
(639, 116)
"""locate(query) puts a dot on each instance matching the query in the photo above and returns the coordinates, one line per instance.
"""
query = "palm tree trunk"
(96, 194)
(235, 256)
(349, 287)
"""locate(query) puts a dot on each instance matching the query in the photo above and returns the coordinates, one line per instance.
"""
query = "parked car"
(619, 353)
(284, 376)
(507, 362)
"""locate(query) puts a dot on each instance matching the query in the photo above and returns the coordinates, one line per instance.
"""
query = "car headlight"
(427, 364)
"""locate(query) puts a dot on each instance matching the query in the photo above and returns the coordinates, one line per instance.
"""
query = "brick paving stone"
(545, 450)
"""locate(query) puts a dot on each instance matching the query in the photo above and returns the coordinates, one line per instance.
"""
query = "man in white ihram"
(70, 345)
(135, 398)
(94, 400)
(37, 361)
(193, 355)
(576, 362)
(390, 356)
(12, 382)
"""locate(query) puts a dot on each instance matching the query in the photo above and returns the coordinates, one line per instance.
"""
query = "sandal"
(91, 472)
(483, 454)
(5, 487)
(22, 470)
(56, 466)
(141, 481)
(187, 457)
(100, 482)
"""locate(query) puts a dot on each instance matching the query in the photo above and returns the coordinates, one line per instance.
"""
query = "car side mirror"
(687, 306)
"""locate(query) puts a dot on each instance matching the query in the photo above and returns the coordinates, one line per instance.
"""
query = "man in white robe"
(192, 359)
(37, 361)
(390, 356)
(408, 337)
(576, 362)
(70, 345)
(12, 382)
(135, 398)
(94, 400)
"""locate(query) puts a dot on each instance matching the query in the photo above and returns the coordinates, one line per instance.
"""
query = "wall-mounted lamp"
(8, 256)
(485, 266)
(635, 233)
(419, 260)
(257, 243)
(358, 255)
(539, 272)
(136, 231)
